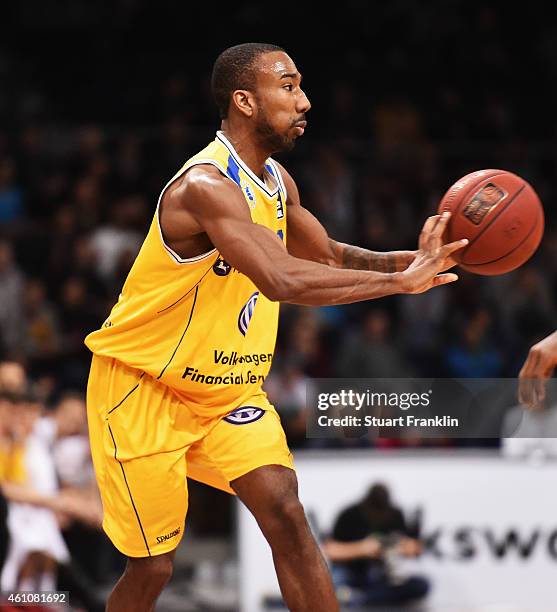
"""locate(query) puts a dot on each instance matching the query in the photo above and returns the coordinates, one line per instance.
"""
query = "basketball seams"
(490, 223)
(532, 230)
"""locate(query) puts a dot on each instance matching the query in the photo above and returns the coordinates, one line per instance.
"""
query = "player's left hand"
(422, 246)
(538, 367)
(407, 257)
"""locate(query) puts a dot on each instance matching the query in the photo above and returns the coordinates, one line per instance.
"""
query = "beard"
(269, 138)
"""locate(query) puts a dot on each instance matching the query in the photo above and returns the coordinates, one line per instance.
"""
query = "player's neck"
(249, 150)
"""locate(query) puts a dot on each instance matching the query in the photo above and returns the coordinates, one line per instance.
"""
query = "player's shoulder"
(203, 181)
(202, 176)
(203, 189)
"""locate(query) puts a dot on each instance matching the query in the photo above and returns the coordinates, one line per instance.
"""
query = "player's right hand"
(432, 257)
(538, 367)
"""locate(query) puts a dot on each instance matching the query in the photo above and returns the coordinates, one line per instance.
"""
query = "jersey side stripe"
(183, 334)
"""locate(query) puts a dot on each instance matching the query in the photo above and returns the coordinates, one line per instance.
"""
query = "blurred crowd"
(95, 119)
(81, 170)
(50, 508)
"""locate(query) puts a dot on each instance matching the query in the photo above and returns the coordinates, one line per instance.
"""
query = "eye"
(288, 87)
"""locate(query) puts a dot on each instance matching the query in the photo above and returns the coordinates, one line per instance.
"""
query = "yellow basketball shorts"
(145, 441)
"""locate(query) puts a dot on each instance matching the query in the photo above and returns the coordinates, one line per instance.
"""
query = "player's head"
(259, 83)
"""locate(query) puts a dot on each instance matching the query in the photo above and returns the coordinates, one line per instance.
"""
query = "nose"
(303, 104)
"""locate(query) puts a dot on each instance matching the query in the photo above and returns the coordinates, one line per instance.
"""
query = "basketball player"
(175, 381)
(538, 367)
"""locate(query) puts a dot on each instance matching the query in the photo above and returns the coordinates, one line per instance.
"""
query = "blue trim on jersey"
(256, 180)
(233, 170)
(278, 177)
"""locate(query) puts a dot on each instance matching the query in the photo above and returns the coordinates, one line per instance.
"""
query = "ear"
(244, 101)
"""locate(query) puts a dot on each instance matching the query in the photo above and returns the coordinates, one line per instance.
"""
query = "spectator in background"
(37, 550)
(364, 537)
(530, 306)
(372, 352)
(11, 287)
(330, 191)
(64, 432)
(41, 340)
(36, 542)
(288, 389)
(87, 198)
(77, 313)
(475, 354)
(84, 265)
(11, 196)
(129, 164)
(13, 379)
(64, 225)
(421, 327)
(303, 345)
(11, 467)
(119, 237)
(90, 144)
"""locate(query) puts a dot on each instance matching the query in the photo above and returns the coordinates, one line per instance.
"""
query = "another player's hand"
(433, 257)
(538, 367)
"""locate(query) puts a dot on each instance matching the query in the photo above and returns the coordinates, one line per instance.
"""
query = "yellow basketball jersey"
(198, 325)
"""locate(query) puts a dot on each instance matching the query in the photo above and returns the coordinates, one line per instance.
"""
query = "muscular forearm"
(313, 284)
(355, 258)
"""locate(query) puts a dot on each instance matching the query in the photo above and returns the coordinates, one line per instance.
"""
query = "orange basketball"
(500, 214)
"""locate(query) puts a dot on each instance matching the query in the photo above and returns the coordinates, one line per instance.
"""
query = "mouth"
(300, 127)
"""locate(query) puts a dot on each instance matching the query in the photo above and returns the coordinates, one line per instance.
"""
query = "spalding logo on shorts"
(247, 313)
(243, 415)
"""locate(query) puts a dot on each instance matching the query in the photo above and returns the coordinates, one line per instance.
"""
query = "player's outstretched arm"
(207, 202)
(538, 367)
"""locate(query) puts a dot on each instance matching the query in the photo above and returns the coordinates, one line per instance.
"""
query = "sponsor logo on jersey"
(483, 202)
(247, 313)
(234, 358)
(243, 415)
(248, 191)
(221, 268)
(280, 207)
(168, 536)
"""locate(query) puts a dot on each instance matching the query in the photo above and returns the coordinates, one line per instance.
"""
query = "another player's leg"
(271, 494)
(141, 584)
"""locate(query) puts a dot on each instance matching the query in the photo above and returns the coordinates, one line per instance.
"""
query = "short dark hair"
(234, 69)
